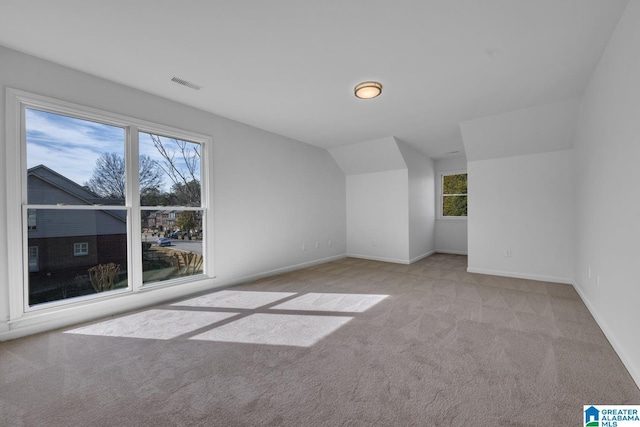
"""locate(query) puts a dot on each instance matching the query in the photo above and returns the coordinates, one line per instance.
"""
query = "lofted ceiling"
(289, 66)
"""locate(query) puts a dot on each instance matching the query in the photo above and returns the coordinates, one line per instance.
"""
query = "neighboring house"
(71, 239)
(150, 220)
(166, 220)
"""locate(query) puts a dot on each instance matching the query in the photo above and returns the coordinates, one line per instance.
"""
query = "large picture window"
(109, 204)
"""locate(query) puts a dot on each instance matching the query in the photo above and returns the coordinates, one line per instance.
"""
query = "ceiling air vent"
(185, 83)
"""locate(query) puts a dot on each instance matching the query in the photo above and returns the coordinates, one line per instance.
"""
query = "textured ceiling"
(289, 66)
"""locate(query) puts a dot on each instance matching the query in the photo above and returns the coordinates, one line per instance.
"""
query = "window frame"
(441, 196)
(16, 172)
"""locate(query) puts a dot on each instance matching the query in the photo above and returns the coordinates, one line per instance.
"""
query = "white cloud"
(71, 146)
(67, 145)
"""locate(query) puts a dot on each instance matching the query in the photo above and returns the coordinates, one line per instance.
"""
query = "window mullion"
(207, 220)
(133, 202)
(16, 198)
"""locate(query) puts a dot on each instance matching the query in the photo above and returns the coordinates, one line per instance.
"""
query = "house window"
(81, 249)
(453, 201)
(31, 219)
(90, 178)
(33, 259)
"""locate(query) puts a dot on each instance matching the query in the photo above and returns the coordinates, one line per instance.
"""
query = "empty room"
(305, 213)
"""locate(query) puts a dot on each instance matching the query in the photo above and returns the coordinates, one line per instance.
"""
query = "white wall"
(421, 208)
(272, 197)
(378, 216)
(450, 233)
(271, 194)
(523, 204)
(607, 204)
(390, 194)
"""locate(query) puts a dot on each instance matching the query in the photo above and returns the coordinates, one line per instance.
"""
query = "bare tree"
(182, 166)
(108, 178)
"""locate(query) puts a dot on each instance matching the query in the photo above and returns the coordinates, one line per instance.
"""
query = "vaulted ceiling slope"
(533, 130)
(289, 66)
(378, 155)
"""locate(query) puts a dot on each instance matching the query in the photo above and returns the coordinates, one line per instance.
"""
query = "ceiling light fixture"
(368, 90)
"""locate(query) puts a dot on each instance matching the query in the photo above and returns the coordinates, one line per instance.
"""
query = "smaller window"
(81, 249)
(33, 259)
(31, 219)
(454, 195)
(33, 252)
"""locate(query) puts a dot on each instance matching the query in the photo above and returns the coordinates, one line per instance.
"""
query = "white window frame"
(81, 249)
(16, 173)
(440, 196)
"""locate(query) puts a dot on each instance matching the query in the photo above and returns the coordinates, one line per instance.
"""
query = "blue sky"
(71, 146)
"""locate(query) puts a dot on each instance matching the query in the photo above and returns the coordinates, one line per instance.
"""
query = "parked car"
(177, 234)
(163, 241)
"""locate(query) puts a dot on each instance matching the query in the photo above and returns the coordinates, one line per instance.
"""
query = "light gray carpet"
(444, 348)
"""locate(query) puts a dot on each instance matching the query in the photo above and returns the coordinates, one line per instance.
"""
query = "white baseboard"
(253, 277)
(632, 364)
(375, 258)
(537, 277)
(447, 251)
(393, 260)
(418, 258)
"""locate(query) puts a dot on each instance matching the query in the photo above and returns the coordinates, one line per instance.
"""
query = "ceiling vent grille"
(185, 83)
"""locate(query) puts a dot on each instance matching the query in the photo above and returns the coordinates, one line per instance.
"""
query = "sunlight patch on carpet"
(353, 303)
(276, 329)
(152, 324)
(235, 299)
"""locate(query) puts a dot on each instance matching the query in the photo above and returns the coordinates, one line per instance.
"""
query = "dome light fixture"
(368, 90)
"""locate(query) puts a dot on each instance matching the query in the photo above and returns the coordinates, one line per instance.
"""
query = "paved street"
(194, 246)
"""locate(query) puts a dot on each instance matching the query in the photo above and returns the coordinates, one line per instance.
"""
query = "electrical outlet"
(304, 246)
(317, 244)
(597, 280)
(329, 243)
(374, 242)
(589, 272)
(507, 253)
